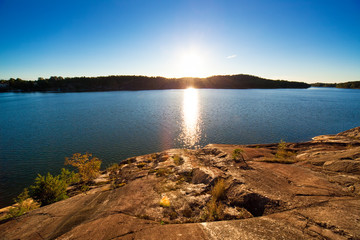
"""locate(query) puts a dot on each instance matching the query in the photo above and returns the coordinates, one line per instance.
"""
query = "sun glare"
(191, 64)
(191, 131)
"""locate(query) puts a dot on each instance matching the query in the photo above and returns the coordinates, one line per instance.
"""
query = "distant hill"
(111, 83)
(354, 84)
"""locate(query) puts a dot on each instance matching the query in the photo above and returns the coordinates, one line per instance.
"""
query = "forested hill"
(354, 84)
(111, 83)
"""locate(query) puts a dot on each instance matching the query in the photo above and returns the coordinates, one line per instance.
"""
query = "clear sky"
(304, 40)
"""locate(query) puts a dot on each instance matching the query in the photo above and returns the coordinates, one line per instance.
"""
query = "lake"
(38, 130)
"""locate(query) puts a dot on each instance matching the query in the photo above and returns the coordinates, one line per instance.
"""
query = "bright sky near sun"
(299, 40)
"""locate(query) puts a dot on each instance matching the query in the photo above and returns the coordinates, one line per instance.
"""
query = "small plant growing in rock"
(165, 202)
(281, 150)
(141, 165)
(113, 168)
(85, 188)
(23, 204)
(237, 153)
(282, 155)
(214, 208)
(178, 160)
(88, 166)
(218, 191)
(162, 172)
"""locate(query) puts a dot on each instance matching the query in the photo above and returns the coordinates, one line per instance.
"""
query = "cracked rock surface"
(307, 190)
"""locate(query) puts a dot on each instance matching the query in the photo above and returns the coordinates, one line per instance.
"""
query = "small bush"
(282, 153)
(237, 153)
(88, 166)
(281, 150)
(23, 205)
(48, 189)
(69, 177)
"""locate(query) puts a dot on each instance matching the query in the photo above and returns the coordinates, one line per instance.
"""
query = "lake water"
(38, 130)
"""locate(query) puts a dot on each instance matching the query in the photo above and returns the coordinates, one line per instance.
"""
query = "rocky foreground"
(307, 190)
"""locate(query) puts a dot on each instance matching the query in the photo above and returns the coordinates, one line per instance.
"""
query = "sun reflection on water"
(190, 134)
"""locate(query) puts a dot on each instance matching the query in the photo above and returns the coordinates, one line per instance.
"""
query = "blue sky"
(304, 40)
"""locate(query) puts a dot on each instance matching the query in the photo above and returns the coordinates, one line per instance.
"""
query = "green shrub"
(88, 166)
(48, 189)
(69, 177)
(236, 154)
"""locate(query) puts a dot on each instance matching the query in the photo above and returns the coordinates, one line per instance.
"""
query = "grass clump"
(214, 211)
(214, 208)
(218, 191)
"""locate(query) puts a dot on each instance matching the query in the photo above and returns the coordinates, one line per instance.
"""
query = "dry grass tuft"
(218, 191)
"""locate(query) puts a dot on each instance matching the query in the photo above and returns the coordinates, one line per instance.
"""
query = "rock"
(316, 197)
(199, 176)
(347, 166)
(236, 213)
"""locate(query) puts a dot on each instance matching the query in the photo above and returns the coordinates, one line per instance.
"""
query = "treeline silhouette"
(111, 83)
(355, 84)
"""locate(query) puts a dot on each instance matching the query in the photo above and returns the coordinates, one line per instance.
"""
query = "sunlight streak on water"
(191, 131)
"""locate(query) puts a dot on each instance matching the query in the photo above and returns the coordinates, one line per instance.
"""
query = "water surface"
(38, 130)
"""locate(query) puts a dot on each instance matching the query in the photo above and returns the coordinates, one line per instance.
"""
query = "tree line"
(354, 84)
(111, 83)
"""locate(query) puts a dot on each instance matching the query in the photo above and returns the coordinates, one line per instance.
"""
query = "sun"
(191, 64)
